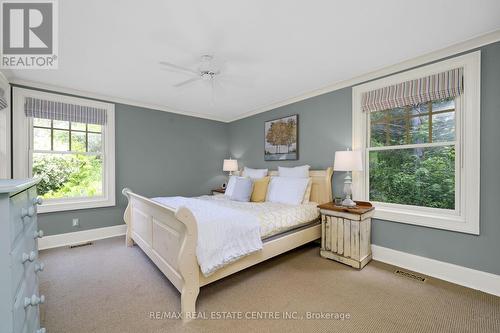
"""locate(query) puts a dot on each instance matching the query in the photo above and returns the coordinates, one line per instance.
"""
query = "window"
(72, 155)
(421, 160)
(67, 157)
(411, 155)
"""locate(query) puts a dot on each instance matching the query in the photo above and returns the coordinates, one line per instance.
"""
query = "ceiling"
(269, 51)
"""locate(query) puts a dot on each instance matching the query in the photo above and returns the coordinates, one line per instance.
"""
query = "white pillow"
(296, 172)
(307, 193)
(240, 190)
(230, 185)
(287, 190)
(254, 173)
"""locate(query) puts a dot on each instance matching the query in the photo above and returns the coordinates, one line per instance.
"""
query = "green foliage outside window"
(419, 177)
(68, 175)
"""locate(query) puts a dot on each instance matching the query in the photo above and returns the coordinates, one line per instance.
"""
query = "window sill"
(427, 219)
(52, 207)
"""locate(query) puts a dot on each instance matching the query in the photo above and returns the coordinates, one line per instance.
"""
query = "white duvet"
(224, 234)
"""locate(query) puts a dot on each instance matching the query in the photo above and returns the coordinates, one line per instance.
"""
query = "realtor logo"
(29, 34)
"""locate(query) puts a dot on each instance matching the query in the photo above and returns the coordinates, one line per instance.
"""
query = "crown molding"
(110, 99)
(448, 51)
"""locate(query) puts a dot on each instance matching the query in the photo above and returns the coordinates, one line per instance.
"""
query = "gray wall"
(325, 126)
(157, 154)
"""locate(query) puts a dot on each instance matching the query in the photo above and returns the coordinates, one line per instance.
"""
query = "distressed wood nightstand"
(218, 191)
(345, 233)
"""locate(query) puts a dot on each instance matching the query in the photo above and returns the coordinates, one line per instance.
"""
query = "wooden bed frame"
(169, 238)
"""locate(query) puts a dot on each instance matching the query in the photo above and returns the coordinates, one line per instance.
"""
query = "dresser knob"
(39, 266)
(37, 201)
(41, 330)
(29, 257)
(38, 234)
(27, 212)
(33, 300)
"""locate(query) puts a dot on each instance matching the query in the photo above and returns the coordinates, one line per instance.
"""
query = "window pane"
(397, 112)
(419, 109)
(419, 176)
(94, 128)
(78, 141)
(419, 129)
(444, 104)
(68, 175)
(61, 124)
(397, 131)
(95, 143)
(41, 139)
(443, 127)
(41, 122)
(61, 140)
(378, 135)
(78, 126)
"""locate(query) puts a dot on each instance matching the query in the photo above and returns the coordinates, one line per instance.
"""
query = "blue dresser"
(19, 265)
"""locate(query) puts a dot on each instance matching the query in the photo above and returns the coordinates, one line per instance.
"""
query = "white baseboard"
(78, 237)
(467, 277)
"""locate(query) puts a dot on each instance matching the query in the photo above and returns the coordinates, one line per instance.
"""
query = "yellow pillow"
(259, 190)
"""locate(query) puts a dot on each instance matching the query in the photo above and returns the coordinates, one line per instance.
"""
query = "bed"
(169, 236)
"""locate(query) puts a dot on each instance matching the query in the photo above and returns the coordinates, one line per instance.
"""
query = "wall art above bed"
(281, 139)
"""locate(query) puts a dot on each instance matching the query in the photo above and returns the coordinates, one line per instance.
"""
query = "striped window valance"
(3, 103)
(438, 86)
(3, 99)
(40, 108)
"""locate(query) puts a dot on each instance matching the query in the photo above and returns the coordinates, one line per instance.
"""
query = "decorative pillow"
(259, 189)
(254, 173)
(241, 189)
(296, 172)
(307, 194)
(230, 185)
(287, 190)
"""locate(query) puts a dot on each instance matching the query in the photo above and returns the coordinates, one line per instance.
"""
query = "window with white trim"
(68, 143)
(419, 134)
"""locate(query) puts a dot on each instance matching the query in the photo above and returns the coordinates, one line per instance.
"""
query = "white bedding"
(273, 217)
(224, 234)
(229, 230)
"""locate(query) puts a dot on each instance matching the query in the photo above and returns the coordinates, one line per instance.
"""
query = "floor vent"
(410, 275)
(80, 245)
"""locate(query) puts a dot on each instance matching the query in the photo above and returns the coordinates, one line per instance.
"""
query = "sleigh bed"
(169, 237)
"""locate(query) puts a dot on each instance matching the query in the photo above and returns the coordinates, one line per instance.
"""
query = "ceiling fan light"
(206, 76)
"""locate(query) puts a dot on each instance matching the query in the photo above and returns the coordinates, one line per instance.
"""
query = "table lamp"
(230, 165)
(348, 160)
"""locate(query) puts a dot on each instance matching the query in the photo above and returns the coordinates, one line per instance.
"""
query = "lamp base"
(348, 202)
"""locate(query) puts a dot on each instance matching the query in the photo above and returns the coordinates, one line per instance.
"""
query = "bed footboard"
(169, 238)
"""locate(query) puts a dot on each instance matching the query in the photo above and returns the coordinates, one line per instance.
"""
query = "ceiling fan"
(207, 71)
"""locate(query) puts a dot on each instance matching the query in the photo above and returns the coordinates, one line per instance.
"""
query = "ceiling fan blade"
(180, 68)
(180, 84)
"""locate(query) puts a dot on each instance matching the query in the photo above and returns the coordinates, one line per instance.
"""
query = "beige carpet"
(108, 287)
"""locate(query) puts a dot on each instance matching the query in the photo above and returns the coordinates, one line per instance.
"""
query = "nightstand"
(345, 233)
(218, 191)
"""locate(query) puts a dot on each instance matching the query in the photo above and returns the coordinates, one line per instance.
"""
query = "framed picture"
(281, 139)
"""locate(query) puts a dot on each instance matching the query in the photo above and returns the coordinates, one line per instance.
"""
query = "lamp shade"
(230, 165)
(348, 160)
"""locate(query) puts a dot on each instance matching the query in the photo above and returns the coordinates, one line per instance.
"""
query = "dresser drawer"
(26, 247)
(21, 314)
(18, 203)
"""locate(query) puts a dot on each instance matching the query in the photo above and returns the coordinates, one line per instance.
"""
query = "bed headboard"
(321, 190)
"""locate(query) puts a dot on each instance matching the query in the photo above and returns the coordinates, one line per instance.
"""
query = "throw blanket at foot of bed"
(224, 234)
